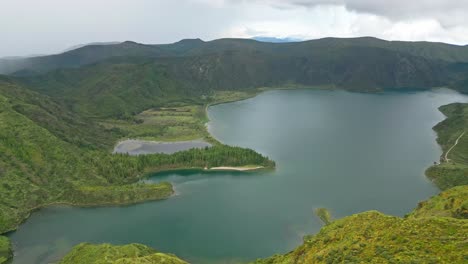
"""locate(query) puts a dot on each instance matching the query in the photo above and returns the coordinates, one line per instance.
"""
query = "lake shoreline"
(220, 168)
(227, 168)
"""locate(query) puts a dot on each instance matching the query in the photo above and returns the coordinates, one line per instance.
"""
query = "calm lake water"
(349, 152)
(139, 147)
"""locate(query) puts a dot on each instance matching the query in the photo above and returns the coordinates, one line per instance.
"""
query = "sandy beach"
(236, 168)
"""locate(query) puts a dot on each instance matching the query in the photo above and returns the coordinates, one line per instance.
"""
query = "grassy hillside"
(6, 252)
(372, 237)
(110, 254)
(450, 203)
(452, 171)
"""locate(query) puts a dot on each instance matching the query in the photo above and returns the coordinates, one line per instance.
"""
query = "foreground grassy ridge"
(6, 252)
(47, 159)
(110, 254)
(454, 171)
(372, 237)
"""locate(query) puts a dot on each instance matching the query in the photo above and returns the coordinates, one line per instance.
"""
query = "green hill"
(109, 254)
(450, 203)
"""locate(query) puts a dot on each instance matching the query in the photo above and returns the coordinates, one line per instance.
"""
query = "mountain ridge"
(94, 53)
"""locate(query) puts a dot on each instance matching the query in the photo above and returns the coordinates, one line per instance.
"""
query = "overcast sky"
(50, 26)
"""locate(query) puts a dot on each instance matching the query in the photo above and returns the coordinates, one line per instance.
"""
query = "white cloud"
(47, 26)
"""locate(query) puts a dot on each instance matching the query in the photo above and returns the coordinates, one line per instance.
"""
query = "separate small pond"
(138, 147)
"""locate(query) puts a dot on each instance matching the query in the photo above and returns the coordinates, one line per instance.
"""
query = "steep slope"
(450, 203)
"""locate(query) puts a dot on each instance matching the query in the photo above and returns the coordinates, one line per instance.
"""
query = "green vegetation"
(122, 80)
(120, 194)
(177, 123)
(6, 252)
(52, 155)
(450, 203)
(61, 115)
(110, 254)
(372, 237)
(324, 215)
(454, 171)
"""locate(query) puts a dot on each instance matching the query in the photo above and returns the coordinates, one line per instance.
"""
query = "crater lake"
(347, 152)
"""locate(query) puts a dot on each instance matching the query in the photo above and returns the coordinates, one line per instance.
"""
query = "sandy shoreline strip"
(236, 168)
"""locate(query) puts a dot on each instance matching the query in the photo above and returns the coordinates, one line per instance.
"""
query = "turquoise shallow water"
(349, 152)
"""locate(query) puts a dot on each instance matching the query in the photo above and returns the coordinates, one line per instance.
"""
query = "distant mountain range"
(135, 76)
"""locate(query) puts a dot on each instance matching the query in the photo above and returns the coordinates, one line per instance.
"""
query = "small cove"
(348, 152)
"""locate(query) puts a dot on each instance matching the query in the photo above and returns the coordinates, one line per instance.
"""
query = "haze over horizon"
(52, 26)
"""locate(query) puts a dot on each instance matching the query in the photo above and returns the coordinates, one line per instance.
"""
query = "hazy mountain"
(195, 47)
(91, 44)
